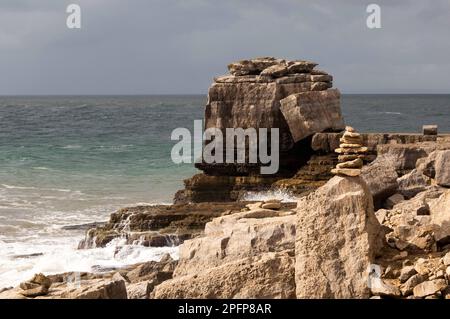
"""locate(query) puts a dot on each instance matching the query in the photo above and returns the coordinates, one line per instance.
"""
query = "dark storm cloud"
(176, 46)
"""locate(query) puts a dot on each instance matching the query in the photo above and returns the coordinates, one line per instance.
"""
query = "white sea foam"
(282, 195)
(72, 147)
(17, 187)
(27, 229)
(65, 190)
(61, 255)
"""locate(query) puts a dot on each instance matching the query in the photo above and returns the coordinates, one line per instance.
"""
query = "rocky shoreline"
(372, 217)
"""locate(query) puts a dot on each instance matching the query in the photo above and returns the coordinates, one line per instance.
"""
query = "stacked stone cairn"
(351, 154)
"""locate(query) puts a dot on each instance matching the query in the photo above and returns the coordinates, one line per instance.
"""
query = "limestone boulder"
(237, 236)
(96, 289)
(13, 293)
(277, 70)
(262, 63)
(428, 288)
(443, 168)
(409, 185)
(337, 239)
(411, 222)
(140, 290)
(426, 165)
(440, 218)
(413, 281)
(300, 66)
(406, 273)
(242, 67)
(268, 275)
(312, 112)
(405, 156)
(394, 200)
(152, 271)
(381, 288)
(381, 178)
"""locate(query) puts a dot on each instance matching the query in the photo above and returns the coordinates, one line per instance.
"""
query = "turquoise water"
(114, 147)
(73, 160)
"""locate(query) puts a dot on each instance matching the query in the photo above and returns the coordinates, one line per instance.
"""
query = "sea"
(73, 160)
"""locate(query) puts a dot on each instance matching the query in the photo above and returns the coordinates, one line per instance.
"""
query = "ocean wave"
(63, 256)
(72, 147)
(64, 190)
(17, 187)
(115, 147)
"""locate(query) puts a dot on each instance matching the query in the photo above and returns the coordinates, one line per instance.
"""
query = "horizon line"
(183, 94)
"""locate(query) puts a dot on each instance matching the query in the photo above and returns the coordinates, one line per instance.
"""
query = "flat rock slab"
(312, 112)
(270, 275)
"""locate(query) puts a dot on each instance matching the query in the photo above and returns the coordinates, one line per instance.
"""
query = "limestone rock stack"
(272, 93)
(351, 154)
(264, 93)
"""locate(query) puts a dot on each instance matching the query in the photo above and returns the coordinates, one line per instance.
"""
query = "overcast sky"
(177, 46)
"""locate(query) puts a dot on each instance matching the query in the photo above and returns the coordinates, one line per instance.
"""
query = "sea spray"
(62, 256)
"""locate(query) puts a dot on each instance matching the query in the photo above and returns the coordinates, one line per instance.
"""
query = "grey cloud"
(177, 46)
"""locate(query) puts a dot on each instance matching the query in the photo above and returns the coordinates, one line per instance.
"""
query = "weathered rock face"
(132, 282)
(428, 288)
(235, 237)
(443, 168)
(424, 175)
(409, 185)
(417, 145)
(255, 89)
(298, 100)
(270, 66)
(337, 239)
(405, 156)
(204, 188)
(37, 286)
(440, 218)
(381, 178)
(410, 222)
(157, 226)
(309, 113)
(269, 275)
(260, 102)
(414, 276)
(249, 254)
(97, 288)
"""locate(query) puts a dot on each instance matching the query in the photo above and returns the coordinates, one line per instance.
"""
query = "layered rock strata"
(249, 254)
(157, 226)
(290, 96)
(403, 151)
(258, 92)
